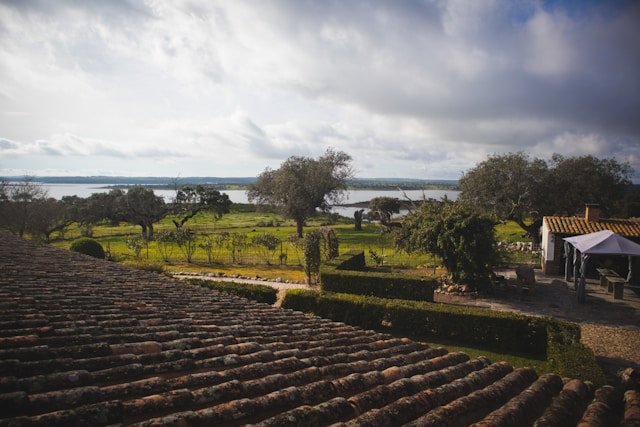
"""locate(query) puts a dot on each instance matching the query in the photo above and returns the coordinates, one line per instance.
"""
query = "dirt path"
(282, 287)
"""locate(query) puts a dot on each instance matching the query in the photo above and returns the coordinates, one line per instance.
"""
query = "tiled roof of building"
(578, 225)
(89, 342)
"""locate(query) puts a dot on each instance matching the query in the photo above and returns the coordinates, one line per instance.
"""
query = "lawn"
(541, 365)
(114, 238)
(285, 261)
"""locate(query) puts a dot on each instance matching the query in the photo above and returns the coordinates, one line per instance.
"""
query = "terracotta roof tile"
(578, 225)
(87, 342)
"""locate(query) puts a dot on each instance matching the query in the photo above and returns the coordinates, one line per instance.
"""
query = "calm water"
(240, 196)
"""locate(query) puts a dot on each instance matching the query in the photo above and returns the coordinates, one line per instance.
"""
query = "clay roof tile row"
(86, 342)
(579, 225)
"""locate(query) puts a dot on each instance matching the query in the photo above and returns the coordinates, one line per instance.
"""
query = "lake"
(57, 191)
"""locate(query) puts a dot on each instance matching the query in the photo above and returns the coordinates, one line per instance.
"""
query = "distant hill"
(138, 180)
(241, 182)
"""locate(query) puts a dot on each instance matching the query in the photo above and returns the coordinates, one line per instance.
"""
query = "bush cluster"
(87, 246)
(258, 293)
(503, 331)
(346, 275)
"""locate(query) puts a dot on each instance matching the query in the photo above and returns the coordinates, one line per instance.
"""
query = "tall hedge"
(347, 274)
(570, 358)
(558, 340)
(496, 329)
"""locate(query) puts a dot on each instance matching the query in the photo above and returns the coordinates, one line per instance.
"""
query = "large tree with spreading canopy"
(518, 188)
(303, 184)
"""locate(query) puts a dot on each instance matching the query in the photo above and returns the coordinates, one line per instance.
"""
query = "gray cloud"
(419, 85)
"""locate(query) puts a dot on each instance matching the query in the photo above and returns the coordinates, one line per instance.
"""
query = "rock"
(526, 276)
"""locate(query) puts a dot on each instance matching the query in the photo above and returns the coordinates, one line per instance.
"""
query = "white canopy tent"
(604, 242)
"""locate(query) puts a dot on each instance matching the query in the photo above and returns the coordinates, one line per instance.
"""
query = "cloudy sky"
(422, 89)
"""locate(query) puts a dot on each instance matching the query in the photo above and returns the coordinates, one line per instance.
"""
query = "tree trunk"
(533, 230)
(150, 231)
(299, 225)
(357, 217)
(144, 230)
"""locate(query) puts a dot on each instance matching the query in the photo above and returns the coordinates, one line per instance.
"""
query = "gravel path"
(611, 328)
(614, 343)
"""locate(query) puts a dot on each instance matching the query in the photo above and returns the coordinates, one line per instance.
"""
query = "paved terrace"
(88, 342)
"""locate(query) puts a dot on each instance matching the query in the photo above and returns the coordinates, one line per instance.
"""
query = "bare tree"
(17, 204)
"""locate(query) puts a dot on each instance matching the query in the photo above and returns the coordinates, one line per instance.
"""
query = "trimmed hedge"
(570, 358)
(559, 341)
(346, 275)
(495, 329)
(258, 293)
(87, 246)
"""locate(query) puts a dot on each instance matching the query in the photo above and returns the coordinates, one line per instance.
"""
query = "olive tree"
(302, 184)
(18, 202)
(383, 207)
(142, 207)
(521, 189)
(510, 187)
(576, 181)
(190, 201)
(464, 240)
(51, 215)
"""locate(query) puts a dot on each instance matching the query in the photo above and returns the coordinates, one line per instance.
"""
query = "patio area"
(610, 327)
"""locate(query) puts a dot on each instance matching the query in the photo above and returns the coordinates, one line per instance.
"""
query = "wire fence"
(246, 253)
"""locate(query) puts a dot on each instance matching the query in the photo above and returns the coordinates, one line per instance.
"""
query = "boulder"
(526, 276)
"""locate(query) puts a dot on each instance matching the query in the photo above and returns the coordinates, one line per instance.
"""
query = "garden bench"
(614, 282)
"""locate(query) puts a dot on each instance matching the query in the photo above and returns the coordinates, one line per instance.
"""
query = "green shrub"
(259, 293)
(569, 357)
(301, 300)
(346, 275)
(87, 246)
(311, 245)
(496, 329)
(559, 341)
(139, 264)
(463, 239)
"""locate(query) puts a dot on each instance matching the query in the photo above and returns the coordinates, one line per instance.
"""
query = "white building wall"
(548, 243)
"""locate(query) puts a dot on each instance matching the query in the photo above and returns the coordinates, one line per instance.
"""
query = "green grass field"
(250, 260)
(251, 223)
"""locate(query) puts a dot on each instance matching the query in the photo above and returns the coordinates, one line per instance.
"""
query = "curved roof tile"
(87, 342)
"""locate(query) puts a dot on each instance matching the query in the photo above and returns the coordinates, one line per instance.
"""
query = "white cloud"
(406, 88)
(550, 52)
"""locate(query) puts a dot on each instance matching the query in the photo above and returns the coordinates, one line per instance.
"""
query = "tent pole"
(582, 288)
(630, 275)
(575, 268)
(567, 261)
